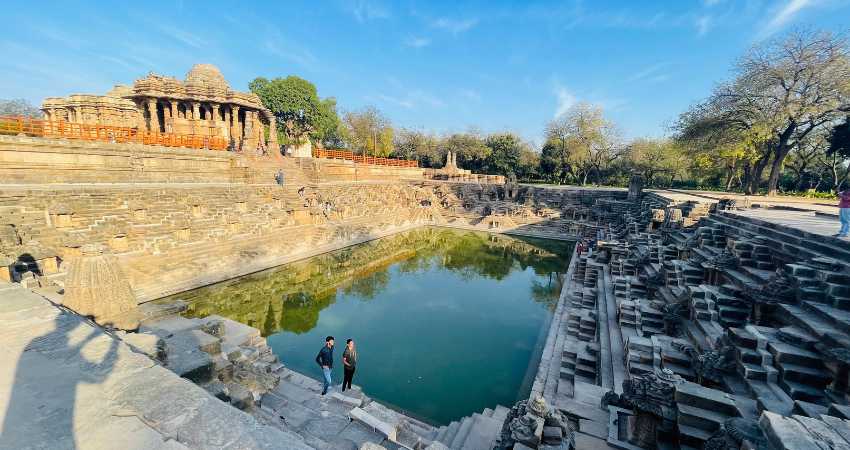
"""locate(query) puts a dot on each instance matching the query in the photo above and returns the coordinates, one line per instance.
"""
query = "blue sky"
(430, 65)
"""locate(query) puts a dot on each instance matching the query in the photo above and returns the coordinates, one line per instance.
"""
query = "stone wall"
(28, 160)
(169, 238)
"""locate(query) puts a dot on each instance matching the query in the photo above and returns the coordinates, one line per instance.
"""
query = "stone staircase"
(793, 243)
(476, 432)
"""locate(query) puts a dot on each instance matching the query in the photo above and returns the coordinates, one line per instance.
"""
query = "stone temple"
(202, 104)
(694, 320)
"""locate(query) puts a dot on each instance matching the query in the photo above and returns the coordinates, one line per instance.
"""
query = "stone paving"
(67, 384)
(808, 221)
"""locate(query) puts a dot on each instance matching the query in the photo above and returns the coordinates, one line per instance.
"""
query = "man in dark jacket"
(325, 360)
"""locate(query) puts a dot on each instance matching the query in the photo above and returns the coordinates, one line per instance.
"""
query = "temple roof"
(206, 74)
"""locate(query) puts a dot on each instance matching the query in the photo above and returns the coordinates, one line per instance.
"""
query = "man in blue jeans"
(325, 359)
(844, 213)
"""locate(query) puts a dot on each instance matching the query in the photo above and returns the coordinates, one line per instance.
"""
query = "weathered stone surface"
(372, 446)
(240, 396)
(149, 344)
(76, 386)
(96, 287)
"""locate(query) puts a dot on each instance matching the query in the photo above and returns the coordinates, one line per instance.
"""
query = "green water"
(446, 322)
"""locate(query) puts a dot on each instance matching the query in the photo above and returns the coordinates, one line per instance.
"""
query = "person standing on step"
(325, 360)
(349, 362)
(844, 213)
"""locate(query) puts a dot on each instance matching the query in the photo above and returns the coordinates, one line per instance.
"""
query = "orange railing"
(350, 156)
(105, 133)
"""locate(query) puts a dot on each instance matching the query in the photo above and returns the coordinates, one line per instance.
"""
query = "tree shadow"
(41, 408)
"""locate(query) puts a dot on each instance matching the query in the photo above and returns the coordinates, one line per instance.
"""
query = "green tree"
(659, 161)
(839, 138)
(419, 146)
(369, 132)
(578, 143)
(505, 149)
(299, 112)
(783, 90)
(471, 150)
(529, 164)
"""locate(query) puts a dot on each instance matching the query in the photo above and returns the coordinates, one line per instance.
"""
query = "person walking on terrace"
(349, 362)
(844, 213)
(325, 360)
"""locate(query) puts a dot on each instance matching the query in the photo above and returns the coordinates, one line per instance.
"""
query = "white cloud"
(784, 15)
(565, 99)
(183, 36)
(703, 24)
(653, 73)
(455, 26)
(413, 98)
(397, 101)
(365, 10)
(277, 46)
(470, 94)
(417, 42)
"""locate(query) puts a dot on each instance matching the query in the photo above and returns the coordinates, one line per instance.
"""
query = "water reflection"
(290, 298)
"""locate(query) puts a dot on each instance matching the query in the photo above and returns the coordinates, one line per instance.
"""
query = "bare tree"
(783, 91)
(580, 142)
(18, 107)
(799, 84)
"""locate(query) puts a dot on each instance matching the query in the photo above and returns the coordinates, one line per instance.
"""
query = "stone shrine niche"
(140, 214)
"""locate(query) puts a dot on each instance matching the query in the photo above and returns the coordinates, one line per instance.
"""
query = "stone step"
(693, 436)
(836, 317)
(800, 391)
(441, 434)
(815, 377)
(463, 431)
(789, 354)
(483, 434)
(803, 242)
(814, 325)
(694, 395)
(386, 429)
(703, 419)
(770, 397)
(501, 413)
(450, 433)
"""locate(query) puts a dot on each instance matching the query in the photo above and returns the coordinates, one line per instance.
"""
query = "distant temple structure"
(451, 172)
(203, 104)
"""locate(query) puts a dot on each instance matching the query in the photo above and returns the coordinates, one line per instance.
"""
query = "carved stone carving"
(652, 397)
(525, 424)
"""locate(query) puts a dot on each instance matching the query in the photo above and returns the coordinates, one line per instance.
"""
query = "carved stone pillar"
(196, 110)
(154, 118)
(235, 130)
(274, 145)
(174, 109)
(215, 116)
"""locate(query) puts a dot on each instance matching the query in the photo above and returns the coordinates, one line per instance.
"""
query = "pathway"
(66, 384)
(808, 221)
